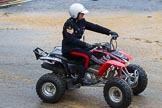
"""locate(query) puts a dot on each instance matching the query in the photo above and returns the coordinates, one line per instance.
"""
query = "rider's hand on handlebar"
(114, 35)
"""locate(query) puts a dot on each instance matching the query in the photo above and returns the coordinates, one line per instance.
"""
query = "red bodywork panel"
(107, 64)
(126, 54)
(115, 63)
(2, 1)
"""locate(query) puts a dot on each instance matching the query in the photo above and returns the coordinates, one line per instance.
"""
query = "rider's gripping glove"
(114, 35)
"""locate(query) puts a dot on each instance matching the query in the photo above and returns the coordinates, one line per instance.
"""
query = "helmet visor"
(85, 11)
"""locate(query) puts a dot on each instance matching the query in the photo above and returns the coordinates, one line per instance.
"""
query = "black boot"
(81, 74)
(81, 77)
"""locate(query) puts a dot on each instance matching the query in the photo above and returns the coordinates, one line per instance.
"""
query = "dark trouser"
(82, 56)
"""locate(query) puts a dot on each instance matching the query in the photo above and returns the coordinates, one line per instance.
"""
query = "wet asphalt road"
(19, 71)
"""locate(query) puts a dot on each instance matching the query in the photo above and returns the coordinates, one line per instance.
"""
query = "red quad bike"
(108, 67)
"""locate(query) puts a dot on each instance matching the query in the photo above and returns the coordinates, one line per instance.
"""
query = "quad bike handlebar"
(113, 44)
(108, 46)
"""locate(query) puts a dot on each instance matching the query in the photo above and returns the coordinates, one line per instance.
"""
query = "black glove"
(114, 35)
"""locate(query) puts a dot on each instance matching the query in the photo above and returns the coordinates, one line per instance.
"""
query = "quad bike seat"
(58, 54)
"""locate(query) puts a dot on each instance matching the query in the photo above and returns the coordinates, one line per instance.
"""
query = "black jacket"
(72, 41)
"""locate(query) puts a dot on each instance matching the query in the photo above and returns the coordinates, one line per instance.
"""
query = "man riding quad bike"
(77, 64)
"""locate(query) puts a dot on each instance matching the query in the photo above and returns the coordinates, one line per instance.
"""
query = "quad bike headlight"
(126, 62)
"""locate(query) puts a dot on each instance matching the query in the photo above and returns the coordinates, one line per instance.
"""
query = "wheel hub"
(49, 89)
(134, 79)
(115, 94)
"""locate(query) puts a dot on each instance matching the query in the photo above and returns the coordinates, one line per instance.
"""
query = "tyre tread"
(143, 79)
(60, 85)
(127, 92)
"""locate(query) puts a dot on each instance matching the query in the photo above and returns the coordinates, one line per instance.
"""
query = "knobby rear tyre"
(50, 88)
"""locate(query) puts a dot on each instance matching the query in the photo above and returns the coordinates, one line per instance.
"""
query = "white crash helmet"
(77, 8)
